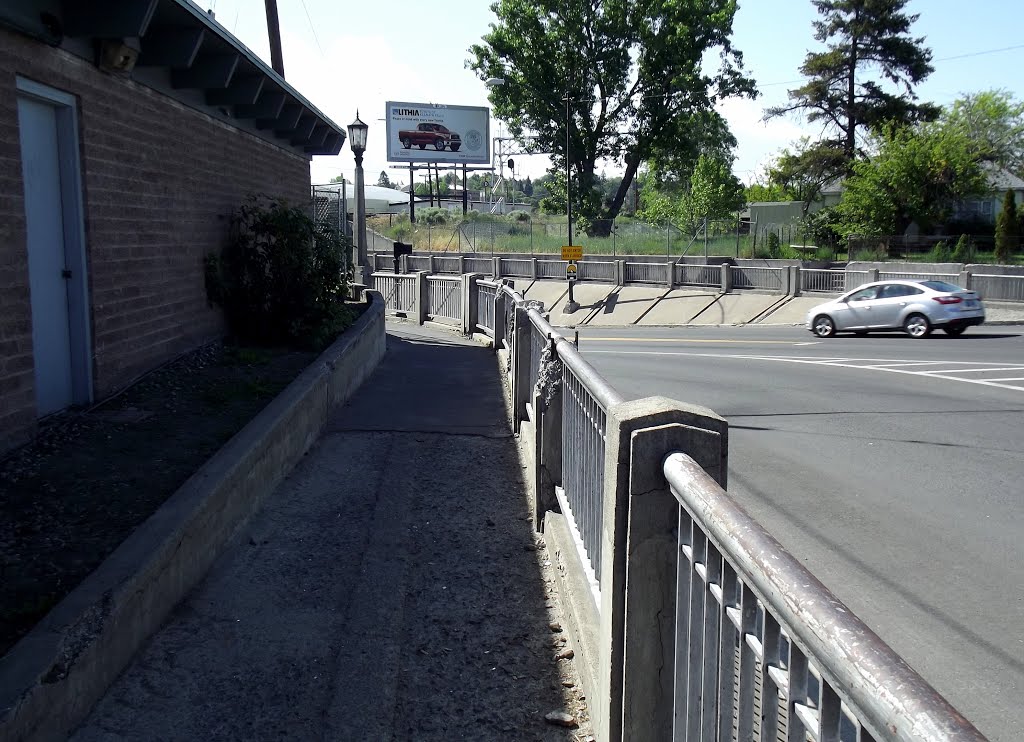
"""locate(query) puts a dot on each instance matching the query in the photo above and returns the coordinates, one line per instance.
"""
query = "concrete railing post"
(608, 701)
(872, 274)
(726, 278)
(620, 272)
(403, 263)
(496, 268)
(462, 264)
(432, 265)
(533, 268)
(795, 288)
(786, 279)
(470, 302)
(965, 279)
(422, 296)
(499, 317)
(652, 551)
(670, 274)
(521, 360)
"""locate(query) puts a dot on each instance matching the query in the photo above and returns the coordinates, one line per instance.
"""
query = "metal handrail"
(883, 692)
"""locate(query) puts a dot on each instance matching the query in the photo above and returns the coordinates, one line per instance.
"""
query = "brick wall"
(160, 183)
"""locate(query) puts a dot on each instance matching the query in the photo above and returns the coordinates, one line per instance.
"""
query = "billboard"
(428, 132)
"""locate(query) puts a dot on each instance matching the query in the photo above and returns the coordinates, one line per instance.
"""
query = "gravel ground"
(393, 588)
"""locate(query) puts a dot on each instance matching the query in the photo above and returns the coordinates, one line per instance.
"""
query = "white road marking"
(875, 364)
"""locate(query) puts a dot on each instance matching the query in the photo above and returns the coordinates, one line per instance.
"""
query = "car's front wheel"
(406, 143)
(823, 326)
(917, 326)
(439, 144)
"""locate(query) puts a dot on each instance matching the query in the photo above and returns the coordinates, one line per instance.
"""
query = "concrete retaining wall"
(52, 677)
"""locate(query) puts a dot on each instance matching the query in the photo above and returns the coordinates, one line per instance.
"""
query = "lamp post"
(357, 140)
(570, 303)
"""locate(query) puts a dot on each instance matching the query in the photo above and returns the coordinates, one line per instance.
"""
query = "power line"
(940, 59)
(312, 28)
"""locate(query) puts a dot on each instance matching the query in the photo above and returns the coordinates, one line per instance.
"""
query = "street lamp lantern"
(357, 138)
(357, 141)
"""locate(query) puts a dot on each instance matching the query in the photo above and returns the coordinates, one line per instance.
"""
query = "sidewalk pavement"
(392, 588)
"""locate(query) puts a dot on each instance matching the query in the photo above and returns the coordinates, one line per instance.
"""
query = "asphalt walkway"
(392, 588)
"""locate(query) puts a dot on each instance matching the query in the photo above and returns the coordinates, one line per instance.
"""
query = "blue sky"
(344, 56)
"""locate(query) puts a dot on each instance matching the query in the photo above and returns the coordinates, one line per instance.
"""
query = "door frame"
(73, 212)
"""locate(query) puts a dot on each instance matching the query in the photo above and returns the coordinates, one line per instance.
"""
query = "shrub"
(280, 276)
(963, 251)
(940, 252)
(518, 216)
(771, 244)
(1006, 229)
(433, 215)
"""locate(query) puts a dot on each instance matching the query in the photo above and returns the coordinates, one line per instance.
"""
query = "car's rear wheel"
(406, 143)
(917, 326)
(455, 147)
(955, 330)
(823, 326)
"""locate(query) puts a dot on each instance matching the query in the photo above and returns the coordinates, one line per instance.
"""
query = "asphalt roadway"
(893, 468)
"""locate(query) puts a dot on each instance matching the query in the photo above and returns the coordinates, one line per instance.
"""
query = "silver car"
(916, 307)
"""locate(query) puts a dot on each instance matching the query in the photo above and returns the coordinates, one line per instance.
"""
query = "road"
(892, 467)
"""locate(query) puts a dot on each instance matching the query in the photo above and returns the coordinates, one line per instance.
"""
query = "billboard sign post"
(436, 133)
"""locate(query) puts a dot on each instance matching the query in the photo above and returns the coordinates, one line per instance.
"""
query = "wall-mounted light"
(117, 55)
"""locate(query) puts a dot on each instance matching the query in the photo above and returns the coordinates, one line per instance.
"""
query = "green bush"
(940, 253)
(771, 245)
(963, 251)
(433, 215)
(280, 277)
(518, 216)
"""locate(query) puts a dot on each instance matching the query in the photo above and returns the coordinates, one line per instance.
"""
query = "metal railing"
(595, 270)
(768, 279)
(917, 276)
(740, 626)
(417, 263)
(998, 288)
(698, 275)
(517, 267)
(399, 291)
(450, 265)
(444, 299)
(822, 280)
(550, 269)
(480, 265)
(486, 292)
(644, 273)
(756, 652)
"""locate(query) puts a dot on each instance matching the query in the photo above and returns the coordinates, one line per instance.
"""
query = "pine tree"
(861, 36)
(1006, 229)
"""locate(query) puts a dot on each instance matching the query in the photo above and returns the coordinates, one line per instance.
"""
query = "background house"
(129, 132)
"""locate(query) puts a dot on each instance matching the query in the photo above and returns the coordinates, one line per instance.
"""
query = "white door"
(47, 262)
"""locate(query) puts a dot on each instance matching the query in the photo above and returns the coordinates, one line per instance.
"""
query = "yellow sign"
(572, 252)
(570, 270)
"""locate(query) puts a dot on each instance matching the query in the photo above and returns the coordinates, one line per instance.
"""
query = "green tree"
(714, 191)
(994, 120)
(337, 179)
(860, 36)
(1006, 229)
(633, 71)
(917, 174)
(383, 180)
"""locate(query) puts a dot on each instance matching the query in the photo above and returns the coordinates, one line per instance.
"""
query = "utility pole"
(570, 304)
(274, 32)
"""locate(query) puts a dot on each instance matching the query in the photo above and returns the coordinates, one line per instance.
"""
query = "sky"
(351, 56)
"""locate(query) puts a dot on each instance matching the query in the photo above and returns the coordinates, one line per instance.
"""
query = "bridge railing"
(689, 621)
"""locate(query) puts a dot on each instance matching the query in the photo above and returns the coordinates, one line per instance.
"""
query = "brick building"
(129, 132)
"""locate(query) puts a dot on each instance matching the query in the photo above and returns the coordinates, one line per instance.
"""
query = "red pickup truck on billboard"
(436, 135)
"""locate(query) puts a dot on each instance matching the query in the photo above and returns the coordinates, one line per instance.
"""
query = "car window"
(863, 294)
(898, 289)
(942, 286)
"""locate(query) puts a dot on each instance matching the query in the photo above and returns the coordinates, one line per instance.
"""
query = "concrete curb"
(50, 680)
